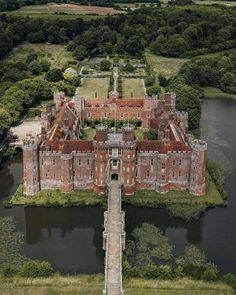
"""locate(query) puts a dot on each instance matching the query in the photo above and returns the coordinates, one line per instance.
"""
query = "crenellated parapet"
(199, 145)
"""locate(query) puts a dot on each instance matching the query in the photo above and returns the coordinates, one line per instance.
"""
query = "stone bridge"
(114, 240)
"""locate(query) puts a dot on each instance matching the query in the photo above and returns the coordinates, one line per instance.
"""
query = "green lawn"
(93, 285)
(57, 55)
(139, 133)
(89, 133)
(213, 92)
(167, 66)
(94, 88)
(56, 198)
(133, 88)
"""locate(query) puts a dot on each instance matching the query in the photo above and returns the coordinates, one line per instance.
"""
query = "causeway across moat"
(114, 240)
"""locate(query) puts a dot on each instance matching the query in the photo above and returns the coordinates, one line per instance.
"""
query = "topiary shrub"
(36, 269)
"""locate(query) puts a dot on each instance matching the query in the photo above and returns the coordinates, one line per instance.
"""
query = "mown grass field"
(213, 92)
(94, 88)
(93, 285)
(50, 198)
(65, 9)
(57, 55)
(166, 66)
(133, 88)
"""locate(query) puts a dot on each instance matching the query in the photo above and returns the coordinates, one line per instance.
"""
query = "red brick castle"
(59, 159)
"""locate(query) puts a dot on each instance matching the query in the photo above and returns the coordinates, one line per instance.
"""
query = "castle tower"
(59, 98)
(31, 166)
(67, 183)
(129, 159)
(79, 103)
(101, 159)
(198, 167)
(170, 99)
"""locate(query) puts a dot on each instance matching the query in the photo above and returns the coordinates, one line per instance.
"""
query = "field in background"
(93, 285)
(164, 65)
(133, 88)
(66, 8)
(57, 55)
(212, 2)
(94, 88)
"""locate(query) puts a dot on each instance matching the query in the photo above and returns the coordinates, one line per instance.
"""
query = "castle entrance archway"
(115, 176)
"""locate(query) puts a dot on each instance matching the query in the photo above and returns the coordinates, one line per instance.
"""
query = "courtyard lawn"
(133, 88)
(89, 133)
(57, 55)
(94, 88)
(139, 133)
(53, 198)
(213, 92)
(94, 284)
(166, 66)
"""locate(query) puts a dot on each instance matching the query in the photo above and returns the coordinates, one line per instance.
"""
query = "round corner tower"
(198, 167)
(31, 166)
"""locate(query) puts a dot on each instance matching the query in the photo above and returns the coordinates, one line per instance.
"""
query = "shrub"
(164, 272)
(105, 65)
(210, 274)
(230, 279)
(9, 270)
(36, 269)
(7, 204)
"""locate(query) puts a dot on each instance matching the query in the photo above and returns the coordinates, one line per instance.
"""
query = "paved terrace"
(113, 241)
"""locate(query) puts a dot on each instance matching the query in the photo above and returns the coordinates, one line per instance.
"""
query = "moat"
(71, 239)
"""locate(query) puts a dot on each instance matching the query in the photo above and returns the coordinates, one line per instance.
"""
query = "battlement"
(31, 143)
(199, 145)
(181, 114)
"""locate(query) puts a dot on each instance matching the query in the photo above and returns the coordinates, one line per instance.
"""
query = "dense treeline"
(179, 31)
(171, 32)
(217, 71)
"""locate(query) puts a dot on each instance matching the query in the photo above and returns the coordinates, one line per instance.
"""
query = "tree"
(192, 256)
(54, 75)
(35, 67)
(149, 243)
(45, 65)
(149, 81)
(153, 90)
(80, 52)
(163, 81)
(175, 46)
(157, 46)
(228, 82)
(105, 65)
(5, 120)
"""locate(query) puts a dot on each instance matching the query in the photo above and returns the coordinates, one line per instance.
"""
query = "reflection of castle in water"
(68, 219)
(64, 219)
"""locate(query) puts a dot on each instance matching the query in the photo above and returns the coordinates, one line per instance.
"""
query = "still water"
(71, 239)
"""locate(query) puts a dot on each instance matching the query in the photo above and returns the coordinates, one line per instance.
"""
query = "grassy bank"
(213, 92)
(93, 285)
(51, 198)
(178, 203)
